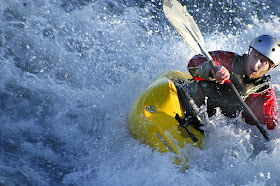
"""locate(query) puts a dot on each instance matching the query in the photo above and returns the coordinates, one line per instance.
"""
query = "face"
(257, 65)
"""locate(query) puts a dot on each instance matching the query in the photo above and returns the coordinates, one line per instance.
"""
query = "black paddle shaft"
(246, 108)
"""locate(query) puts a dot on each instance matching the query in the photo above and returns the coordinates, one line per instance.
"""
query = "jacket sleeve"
(264, 106)
(199, 67)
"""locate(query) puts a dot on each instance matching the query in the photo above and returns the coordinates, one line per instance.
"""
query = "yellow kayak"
(160, 116)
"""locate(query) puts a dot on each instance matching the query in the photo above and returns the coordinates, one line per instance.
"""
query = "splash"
(70, 71)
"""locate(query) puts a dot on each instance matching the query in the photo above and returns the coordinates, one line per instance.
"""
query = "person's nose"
(256, 65)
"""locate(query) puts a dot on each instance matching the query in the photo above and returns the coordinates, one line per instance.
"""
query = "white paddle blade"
(184, 24)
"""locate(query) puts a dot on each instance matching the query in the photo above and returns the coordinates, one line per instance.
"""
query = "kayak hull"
(152, 116)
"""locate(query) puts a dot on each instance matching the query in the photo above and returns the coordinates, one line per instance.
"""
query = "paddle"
(185, 25)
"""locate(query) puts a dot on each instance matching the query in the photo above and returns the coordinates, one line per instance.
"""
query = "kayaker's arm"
(203, 71)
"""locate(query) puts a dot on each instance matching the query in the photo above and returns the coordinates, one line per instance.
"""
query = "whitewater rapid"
(70, 71)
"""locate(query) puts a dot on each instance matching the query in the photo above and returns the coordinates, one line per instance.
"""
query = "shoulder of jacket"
(222, 53)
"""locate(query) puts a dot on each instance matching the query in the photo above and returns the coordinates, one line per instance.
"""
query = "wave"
(70, 71)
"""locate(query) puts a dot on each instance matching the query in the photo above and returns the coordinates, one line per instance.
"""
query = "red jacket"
(263, 105)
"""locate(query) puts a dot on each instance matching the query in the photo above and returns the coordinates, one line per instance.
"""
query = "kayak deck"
(152, 116)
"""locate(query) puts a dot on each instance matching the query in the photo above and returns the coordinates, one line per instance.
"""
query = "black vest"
(220, 95)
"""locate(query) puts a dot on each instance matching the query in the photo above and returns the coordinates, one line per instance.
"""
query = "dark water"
(70, 71)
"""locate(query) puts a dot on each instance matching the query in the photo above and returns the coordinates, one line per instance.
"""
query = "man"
(247, 73)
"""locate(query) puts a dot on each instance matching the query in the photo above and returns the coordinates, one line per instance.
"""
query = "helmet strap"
(250, 50)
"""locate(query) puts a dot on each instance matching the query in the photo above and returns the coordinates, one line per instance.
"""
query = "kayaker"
(247, 73)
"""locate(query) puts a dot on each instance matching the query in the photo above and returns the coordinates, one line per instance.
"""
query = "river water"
(71, 69)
